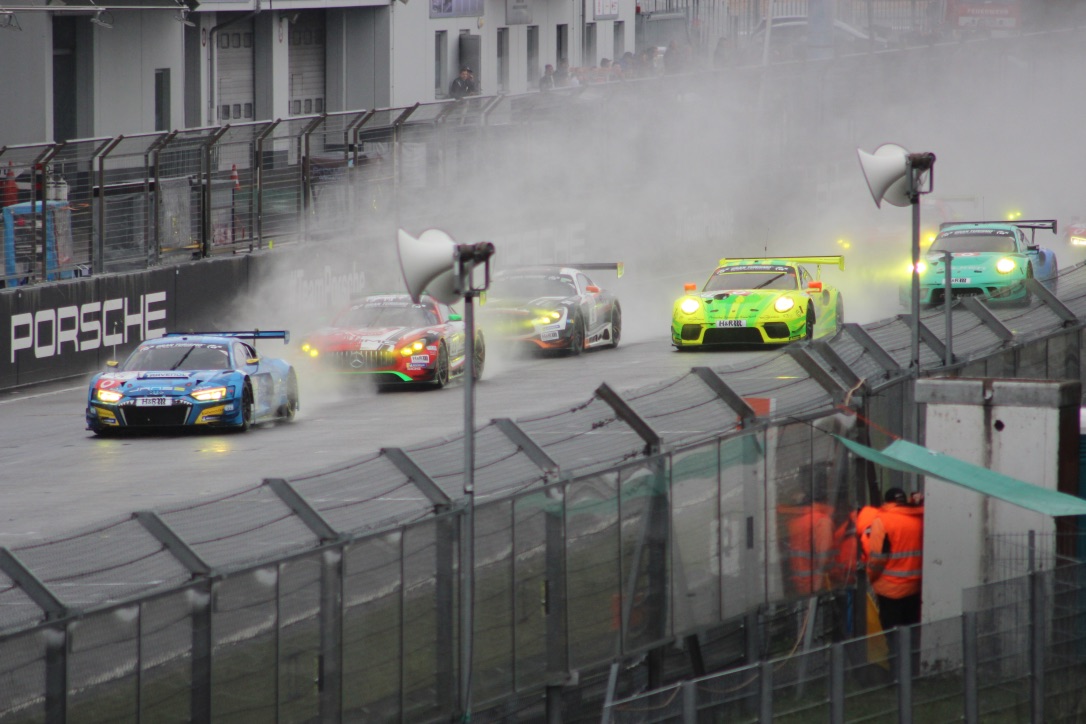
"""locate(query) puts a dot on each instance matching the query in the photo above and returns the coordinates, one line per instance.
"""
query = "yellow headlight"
(1005, 265)
(210, 394)
(406, 351)
(313, 352)
(306, 347)
(689, 306)
(783, 304)
(109, 395)
(1078, 241)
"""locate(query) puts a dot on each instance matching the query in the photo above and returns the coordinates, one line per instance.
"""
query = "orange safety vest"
(810, 546)
(895, 569)
(864, 518)
(846, 543)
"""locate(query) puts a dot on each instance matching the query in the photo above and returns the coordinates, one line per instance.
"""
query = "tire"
(1028, 299)
(576, 340)
(809, 327)
(480, 357)
(840, 319)
(290, 407)
(248, 408)
(616, 325)
(441, 370)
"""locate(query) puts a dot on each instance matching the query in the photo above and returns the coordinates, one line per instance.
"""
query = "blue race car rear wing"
(282, 334)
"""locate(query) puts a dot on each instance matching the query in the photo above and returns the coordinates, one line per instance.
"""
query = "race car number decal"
(731, 322)
(960, 280)
(153, 402)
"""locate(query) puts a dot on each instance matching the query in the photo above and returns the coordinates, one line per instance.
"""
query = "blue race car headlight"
(209, 394)
(108, 395)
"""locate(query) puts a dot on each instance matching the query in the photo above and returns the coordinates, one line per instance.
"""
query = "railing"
(1017, 654)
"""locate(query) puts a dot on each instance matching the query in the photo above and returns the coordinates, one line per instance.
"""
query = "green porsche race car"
(758, 302)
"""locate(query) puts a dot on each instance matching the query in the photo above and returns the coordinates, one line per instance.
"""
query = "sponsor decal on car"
(420, 358)
(731, 322)
(549, 336)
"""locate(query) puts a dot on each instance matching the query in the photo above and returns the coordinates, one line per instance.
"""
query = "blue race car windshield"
(725, 280)
(532, 286)
(388, 315)
(960, 243)
(178, 356)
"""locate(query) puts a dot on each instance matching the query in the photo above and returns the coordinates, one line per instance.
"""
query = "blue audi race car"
(197, 380)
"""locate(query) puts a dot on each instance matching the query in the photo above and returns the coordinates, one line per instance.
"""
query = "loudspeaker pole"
(467, 593)
(467, 256)
(914, 201)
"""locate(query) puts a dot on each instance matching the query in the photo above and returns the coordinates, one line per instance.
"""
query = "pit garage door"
(306, 63)
(235, 72)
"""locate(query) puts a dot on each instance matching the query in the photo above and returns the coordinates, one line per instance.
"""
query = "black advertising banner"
(71, 328)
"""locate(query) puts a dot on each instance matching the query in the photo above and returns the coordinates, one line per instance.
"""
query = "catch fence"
(1017, 654)
(598, 543)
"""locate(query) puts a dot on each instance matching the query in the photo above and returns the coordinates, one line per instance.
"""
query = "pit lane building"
(76, 69)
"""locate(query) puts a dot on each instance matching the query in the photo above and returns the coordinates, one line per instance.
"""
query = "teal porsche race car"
(988, 259)
(766, 301)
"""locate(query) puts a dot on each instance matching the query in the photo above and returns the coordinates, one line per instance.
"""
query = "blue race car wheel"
(248, 408)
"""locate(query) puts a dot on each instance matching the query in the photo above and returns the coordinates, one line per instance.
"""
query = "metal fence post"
(1037, 646)
(969, 667)
(765, 680)
(56, 676)
(200, 701)
(837, 683)
(904, 667)
(690, 702)
(554, 605)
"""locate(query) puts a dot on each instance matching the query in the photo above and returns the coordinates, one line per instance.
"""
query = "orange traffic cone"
(234, 177)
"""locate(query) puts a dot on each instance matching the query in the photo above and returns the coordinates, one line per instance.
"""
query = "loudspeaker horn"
(884, 171)
(429, 265)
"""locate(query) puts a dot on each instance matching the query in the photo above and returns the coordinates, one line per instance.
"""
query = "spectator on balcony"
(546, 82)
(464, 84)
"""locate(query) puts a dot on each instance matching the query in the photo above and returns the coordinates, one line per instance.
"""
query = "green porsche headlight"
(1005, 265)
(689, 306)
(783, 304)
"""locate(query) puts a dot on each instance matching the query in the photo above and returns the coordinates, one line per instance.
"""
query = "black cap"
(895, 495)
(464, 67)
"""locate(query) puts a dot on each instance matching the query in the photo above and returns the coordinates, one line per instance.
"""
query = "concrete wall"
(30, 118)
(125, 60)
(1022, 428)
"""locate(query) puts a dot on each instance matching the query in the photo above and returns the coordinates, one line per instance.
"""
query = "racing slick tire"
(248, 408)
(441, 368)
(809, 327)
(616, 326)
(290, 408)
(576, 340)
(480, 357)
(840, 317)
